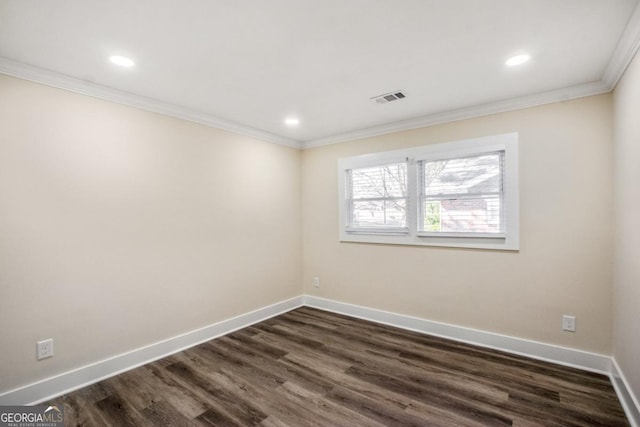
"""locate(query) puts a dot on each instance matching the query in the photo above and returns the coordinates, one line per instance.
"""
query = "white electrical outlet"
(45, 348)
(316, 282)
(569, 323)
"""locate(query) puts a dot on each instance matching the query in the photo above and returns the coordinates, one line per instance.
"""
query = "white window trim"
(510, 240)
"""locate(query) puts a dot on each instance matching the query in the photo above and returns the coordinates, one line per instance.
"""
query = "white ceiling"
(246, 65)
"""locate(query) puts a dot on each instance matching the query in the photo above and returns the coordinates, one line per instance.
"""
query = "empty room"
(320, 213)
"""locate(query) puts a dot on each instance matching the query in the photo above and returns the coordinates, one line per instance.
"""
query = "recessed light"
(292, 121)
(122, 61)
(517, 60)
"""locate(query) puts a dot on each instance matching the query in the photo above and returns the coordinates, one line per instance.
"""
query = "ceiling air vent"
(389, 97)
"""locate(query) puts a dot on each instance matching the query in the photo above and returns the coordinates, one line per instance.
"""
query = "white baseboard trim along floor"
(72, 380)
(66, 382)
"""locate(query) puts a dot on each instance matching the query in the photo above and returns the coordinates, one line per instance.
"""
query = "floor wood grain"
(312, 368)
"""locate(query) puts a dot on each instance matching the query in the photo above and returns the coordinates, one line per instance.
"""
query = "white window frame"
(509, 240)
(379, 229)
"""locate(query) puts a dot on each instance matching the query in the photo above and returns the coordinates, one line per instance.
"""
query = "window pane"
(478, 174)
(377, 213)
(432, 215)
(477, 215)
(395, 212)
(380, 181)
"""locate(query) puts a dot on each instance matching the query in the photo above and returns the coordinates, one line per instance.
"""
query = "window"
(461, 194)
(378, 198)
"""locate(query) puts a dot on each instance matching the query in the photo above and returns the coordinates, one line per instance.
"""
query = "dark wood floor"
(312, 368)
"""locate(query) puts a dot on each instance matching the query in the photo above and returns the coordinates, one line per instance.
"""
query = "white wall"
(120, 228)
(563, 266)
(626, 103)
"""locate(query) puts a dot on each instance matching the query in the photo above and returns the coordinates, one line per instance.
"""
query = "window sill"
(379, 231)
(493, 242)
(455, 235)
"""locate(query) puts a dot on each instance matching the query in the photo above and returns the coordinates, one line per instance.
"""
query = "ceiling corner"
(626, 49)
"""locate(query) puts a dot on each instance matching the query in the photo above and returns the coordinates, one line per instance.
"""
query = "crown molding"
(626, 49)
(61, 81)
(558, 95)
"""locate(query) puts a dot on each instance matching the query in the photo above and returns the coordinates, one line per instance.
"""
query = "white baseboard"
(536, 350)
(627, 398)
(66, 382)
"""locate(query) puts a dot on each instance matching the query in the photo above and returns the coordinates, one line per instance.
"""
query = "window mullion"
(420, 196)
(412, 197)
(349, 191)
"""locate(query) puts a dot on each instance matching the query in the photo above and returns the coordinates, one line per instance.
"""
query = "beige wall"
(563, 266)
(627, 219)
(120, 228)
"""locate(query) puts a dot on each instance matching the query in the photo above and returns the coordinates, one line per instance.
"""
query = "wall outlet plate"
(569, 323)
(45, 349)
(316, 282)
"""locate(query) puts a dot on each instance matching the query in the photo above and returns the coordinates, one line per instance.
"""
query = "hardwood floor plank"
(299, 375)
(313, 368)
(132, 389)
(256, 346)
(216, 353)
(181, 398)
(501, 377)
(272, 421)
(163, 414)
(271, 401)
(118, 412)
(600, 402)
(291, 337)
(81, 412)
(433, 415)
(560, 412)
(227, 403)
(216, 418)
(324, 411)
(377, 410)
(439, 378)
(468, 409)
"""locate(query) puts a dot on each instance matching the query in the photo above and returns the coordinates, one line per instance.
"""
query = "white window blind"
(463, 196)
(378, 198)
